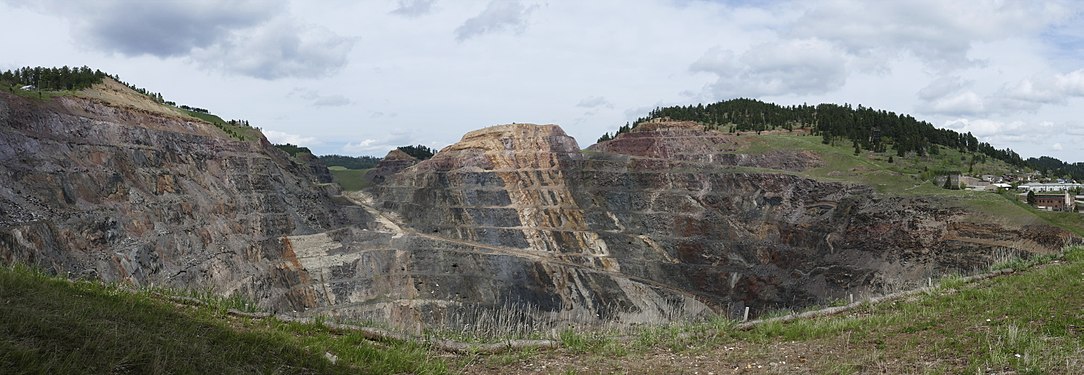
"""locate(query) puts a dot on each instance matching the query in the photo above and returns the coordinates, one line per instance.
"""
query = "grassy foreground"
(52, 326)
(1030, 322)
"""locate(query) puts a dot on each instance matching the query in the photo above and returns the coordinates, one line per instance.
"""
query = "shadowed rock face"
(664, 222)
(90, 190)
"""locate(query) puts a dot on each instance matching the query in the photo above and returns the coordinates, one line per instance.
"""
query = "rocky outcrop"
(512, 224)
(674, 211)
(123, 194)
(395, 161)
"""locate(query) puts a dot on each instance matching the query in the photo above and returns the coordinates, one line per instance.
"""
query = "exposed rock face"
(316, 168)
(92, 190)
(395, 161)
(668, 221)
(487, 223)
(661, 209)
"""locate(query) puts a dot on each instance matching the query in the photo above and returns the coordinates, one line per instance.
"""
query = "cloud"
(951, 96)
(246, 37)
(1057, 147)
(379, 146)
(792, 67)
(319, 100)
(277, 50)
(499, 15)
(940, 33)
(414, 8)
(278, 137)
(1071, 83)
(1032, 93)
(595, 102)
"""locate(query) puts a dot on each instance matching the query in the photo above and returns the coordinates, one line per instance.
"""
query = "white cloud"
(1057, 147)
(595, 102)
(379, 146)
(939, 33)
(793, 67)
(320, 100)
(986, 128)
(964, 103)
(277, 50)
(430, 70)
(240, 36)
(1071, 83)
(499, 15)
(278, 137)
(413, 8)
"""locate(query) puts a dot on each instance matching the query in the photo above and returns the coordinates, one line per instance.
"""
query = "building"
(1055, 202)
(1042, 188)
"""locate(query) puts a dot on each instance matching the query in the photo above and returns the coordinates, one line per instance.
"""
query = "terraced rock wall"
(121, 194)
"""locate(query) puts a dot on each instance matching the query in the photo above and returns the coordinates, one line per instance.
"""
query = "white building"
(1042, 188)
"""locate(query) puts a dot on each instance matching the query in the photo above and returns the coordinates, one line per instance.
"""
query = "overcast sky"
(361, 77)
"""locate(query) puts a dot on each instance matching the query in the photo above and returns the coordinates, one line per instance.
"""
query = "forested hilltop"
(865, 128)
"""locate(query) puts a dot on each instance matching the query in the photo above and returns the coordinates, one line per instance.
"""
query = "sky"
(362, 77)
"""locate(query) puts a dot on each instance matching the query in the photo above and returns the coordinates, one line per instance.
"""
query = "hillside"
(1027, 322)
(859, 127)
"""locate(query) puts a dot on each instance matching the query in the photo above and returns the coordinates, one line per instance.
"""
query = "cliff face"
(101, 191)
(672, 210)
(668, 221)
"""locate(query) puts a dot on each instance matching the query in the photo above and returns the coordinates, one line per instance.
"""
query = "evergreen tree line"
(193, 109)
(420, 152)
(865, 128)
(292, 149)
(66, 78)
(63, 78)
(350, 162)
(1057, 168)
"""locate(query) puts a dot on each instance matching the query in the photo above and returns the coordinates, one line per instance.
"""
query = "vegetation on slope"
(95, 84)
(293, 149)
(1057, 168)
(56, 79)
(349, 179)
(859, 127)
(420, 152)
(914, 175)
(350, 162)
(54, 326)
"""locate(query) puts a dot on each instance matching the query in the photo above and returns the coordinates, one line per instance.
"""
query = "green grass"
(55, 326)
(1029, 322)
(913, 175)
(349, 179)
(240, 132)
(909, 175)
(40, 94)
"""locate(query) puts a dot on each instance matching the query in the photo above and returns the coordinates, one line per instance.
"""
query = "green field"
(349, 179)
